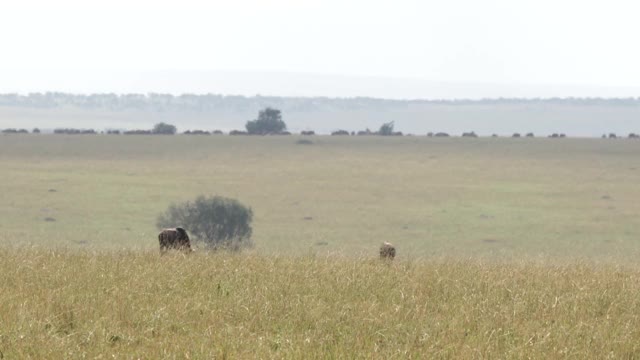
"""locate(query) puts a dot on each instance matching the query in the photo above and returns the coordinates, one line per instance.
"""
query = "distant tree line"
(15, 131)
(269, 122)
(74, 131)
(200, 103)
(367, 132)
(214, 102)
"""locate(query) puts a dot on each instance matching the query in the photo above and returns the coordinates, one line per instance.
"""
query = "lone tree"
(386, 129)
(219, 222)
(164, 129)
(269, 121)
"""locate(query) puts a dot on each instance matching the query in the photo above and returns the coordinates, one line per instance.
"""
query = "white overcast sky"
(118, 45)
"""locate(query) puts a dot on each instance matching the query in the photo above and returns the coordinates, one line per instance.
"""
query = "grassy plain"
(431, 197)
(507, 248)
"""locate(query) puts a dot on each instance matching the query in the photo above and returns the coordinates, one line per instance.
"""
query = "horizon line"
(328, 97)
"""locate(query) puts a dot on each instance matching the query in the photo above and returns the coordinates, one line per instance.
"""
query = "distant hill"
(236, 103)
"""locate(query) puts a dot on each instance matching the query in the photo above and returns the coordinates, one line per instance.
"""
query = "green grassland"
(431, 197)
(507, 248)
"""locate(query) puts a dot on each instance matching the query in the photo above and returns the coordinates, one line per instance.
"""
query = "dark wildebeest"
(387, 251)
(174, 239)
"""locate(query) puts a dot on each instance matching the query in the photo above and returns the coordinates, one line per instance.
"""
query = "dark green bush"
(386, 129)
(218, 222)
(164, 129)
(269, 121)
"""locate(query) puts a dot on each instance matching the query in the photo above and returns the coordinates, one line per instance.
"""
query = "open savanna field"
(507, 248)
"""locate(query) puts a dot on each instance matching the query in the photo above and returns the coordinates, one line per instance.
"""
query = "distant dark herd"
(367, 132)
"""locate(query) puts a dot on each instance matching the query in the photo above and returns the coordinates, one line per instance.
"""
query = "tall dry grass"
(70, 304)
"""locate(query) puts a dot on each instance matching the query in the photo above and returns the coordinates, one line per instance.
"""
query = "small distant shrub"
(238, 132)
(469, 134)
(515, 135)
(197, 132)
(218, 222)
(304, 142)
(308, 132)
(164, 129)
(530, 135)
(269, 121)
(386, 129)
(35, 131)
(137, 132)
(69, 131)
(217, 132)
(340, 133)
(15, 131)
(441, 134)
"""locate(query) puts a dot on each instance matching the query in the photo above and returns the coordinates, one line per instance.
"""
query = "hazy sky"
(83, 45)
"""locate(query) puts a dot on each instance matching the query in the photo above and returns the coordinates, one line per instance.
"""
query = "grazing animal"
(387, 251)
(174, 239)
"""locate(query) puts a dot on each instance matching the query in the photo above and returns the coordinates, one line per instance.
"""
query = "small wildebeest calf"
(174, 239)
(387, 251)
